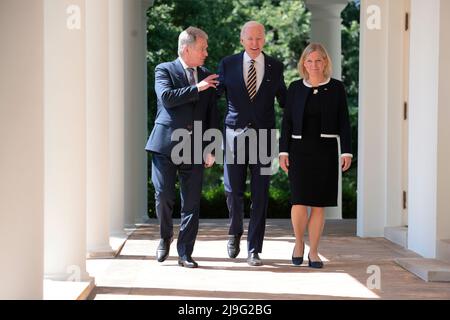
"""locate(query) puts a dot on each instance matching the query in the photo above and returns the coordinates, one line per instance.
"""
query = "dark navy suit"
(241, 113)
(179, 104)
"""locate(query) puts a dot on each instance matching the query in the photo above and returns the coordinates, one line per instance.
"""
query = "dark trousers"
(235, 176)
(164, 174)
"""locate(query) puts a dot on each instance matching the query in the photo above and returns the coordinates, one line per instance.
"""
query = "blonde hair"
(312, 47)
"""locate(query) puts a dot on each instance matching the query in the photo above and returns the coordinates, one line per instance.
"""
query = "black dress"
(313, 161)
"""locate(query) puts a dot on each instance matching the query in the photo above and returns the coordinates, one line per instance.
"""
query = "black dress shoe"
(233, 245)
(163, 249)
(187, 262)
(254, 259)
(297, 261)
(315, 264)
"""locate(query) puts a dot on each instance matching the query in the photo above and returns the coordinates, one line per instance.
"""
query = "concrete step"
(430, 270)
(68, 290)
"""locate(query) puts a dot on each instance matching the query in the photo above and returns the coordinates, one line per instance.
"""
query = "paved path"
(350, 263)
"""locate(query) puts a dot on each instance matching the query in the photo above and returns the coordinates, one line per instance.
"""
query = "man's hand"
(209, 161)
(208, 82)
(284, 162)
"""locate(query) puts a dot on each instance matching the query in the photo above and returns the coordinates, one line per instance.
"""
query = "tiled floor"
(355, 268)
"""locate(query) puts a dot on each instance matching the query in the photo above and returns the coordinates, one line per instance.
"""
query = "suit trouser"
(235, 176)
(164, 173)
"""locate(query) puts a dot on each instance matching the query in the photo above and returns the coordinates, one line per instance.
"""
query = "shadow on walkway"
(355, 268)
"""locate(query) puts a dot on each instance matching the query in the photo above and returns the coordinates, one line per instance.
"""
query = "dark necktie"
(191, 77)
(251, 80)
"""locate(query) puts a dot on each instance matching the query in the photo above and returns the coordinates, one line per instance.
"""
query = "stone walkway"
(354, 268)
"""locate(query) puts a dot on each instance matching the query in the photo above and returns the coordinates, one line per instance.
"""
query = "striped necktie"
(251, 80)
(191, 77)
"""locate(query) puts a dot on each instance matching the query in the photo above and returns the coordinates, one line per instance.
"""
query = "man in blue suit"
(250, 80)
(185, 93)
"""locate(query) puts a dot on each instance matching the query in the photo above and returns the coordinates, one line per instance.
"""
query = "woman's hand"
(209, 161)
(284, 162)
(346, 162)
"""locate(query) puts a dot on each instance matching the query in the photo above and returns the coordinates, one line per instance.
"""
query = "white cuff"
(283, 154)
(347, 155)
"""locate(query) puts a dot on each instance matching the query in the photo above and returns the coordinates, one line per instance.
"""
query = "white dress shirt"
(259, 67)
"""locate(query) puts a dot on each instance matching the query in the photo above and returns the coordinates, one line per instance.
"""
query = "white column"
(116, 117)
(97, 91)
(326, 29)
(429, 154)
(146, 4)
(443, 146)
(372, 127)
(65, 140)
(135, 120)
(22, 150)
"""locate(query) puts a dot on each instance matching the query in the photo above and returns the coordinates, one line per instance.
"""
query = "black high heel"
(297, 261)
(315, 264)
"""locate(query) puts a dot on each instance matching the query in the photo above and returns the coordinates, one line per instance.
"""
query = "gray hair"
(251, 24)
(188, 37)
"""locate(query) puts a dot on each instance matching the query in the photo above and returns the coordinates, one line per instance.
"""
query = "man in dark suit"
(185, 93)
(250, 80)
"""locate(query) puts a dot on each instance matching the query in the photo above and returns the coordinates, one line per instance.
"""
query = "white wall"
(423, 126)
(381, 87)
(443, 166)
(21, 150)
(394, 112)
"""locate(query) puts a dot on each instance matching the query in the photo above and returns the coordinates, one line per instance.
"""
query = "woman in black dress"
(315, 115)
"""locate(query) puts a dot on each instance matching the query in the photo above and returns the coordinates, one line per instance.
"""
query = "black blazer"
(179, 104)
(241, 112)
(334, 119)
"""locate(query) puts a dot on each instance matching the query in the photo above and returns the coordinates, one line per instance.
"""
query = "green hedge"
(213, 201)
(349, 193)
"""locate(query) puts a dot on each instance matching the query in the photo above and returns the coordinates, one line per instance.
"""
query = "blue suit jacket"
(241, 112)
(179, 105)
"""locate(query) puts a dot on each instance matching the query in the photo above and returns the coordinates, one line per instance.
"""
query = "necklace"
(316, 88)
